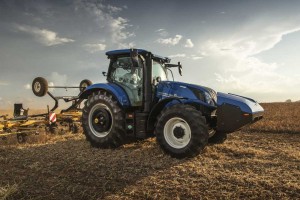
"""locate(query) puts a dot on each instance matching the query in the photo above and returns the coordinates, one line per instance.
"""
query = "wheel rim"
(100, 120)
(37, 87)
(84, 85)
(20, 138)
(177, 133)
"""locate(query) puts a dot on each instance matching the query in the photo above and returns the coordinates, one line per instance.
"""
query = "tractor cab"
(137, 72)
(129, 77)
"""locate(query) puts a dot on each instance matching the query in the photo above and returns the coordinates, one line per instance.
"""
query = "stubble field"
(261, 161)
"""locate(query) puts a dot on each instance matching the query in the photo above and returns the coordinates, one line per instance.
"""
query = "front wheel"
(181, 131)
(103, 121)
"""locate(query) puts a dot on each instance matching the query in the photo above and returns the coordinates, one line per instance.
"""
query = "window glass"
(129, 78)
(158, 71)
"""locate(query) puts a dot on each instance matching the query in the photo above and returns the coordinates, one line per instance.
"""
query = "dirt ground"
(251, 164)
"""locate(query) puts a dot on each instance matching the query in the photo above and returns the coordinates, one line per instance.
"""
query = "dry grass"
(279, 118)
(251, 164)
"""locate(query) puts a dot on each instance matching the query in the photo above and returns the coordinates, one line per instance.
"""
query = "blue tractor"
(141, 100)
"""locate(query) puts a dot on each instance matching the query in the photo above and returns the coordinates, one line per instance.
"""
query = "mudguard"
(112, 88)
(234, 112)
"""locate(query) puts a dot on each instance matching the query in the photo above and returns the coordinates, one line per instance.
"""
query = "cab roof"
(140, 51)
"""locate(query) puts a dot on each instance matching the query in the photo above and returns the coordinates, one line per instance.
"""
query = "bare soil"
(252, 164)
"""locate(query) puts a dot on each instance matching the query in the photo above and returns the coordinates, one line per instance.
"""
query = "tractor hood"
(166, 89)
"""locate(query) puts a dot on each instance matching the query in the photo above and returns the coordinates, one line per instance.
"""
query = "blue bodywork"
(224, 112)
(247, 105)
(184, 91)
(232, 111)
(112, 88)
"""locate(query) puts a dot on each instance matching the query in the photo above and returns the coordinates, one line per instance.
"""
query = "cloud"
(239, 70)
(27, 86)
(244, 44)
(117, 27)
(57, 79)
(195, 57)
(3, 83)
(44, 36)
(126, 45)
(162, 32)
(93, 48)
(182, 55)
(114, 8)
(189, 43)
(170, 41)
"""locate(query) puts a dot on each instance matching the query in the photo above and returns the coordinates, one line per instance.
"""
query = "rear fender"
(234, 112)
(113, 89)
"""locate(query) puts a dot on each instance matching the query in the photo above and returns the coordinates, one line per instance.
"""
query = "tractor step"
(136, 124)
(141, 125)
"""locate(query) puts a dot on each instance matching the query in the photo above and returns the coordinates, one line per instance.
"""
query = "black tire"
(103, 121)
(218, 138)
(84, 84)
(189, 134)
(21, 137)
(40, 86)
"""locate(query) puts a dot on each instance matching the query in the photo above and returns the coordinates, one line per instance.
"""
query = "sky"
(248, 48)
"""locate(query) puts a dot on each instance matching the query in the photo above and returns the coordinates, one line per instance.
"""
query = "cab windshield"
(159, 71)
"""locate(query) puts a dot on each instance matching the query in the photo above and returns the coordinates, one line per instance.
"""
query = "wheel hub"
(100, 120)
(178, 132)
(37, 86)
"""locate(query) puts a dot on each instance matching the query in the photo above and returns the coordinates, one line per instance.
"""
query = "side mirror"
(180, 68)
(134, 57)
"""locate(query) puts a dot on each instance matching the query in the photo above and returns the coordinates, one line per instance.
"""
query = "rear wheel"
(181, 131)
(103, 121)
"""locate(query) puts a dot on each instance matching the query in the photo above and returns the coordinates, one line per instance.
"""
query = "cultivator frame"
(22, 124)
(69, 117)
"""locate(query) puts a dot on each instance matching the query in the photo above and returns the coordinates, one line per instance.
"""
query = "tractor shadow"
(72, 169)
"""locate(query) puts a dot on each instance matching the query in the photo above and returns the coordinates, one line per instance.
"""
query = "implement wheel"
(40, 86)
(84, 84)
(103, 121)
(181, 131)
(21, 137)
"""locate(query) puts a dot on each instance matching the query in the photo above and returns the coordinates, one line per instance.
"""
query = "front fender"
(112, 88)
(205, 108)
